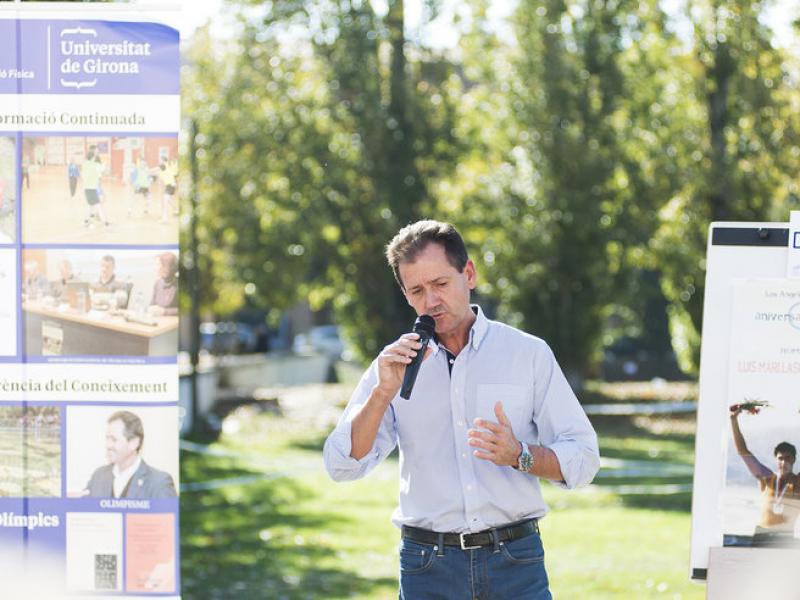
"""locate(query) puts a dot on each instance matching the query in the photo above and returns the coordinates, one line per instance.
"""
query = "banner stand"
(744, 532)
(89, 280)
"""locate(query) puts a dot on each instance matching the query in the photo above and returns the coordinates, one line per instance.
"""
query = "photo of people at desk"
(8, 190)
(100, 189)
(100, 302)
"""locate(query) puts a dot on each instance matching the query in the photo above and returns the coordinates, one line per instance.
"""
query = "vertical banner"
(89, 121)
(749, 409)
(760, 502)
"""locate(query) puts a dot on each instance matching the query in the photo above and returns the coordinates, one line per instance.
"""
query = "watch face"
(525, 462)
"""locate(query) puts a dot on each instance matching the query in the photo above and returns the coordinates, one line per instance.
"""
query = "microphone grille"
(425, 323)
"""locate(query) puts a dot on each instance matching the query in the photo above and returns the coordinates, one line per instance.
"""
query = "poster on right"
(760, 500)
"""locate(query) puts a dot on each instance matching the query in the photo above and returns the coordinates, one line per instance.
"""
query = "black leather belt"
(469, 541)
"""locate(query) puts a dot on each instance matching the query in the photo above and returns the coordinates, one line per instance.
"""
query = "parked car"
(323, 339)
(218, 337)
(229, 337)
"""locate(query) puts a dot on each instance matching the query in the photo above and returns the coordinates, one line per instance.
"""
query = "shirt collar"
(476, 333)
(479, 328)
(127, 473)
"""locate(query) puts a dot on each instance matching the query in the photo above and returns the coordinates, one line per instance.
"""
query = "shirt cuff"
(338, 462)
(578, 465)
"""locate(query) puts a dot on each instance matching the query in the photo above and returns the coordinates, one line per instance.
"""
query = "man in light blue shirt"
(490, 413)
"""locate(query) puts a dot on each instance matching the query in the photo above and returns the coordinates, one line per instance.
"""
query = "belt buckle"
(463, 547)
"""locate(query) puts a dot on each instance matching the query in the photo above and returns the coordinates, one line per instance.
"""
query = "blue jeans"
(507, 571)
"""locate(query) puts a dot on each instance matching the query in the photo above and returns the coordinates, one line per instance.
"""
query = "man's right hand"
(392, 362)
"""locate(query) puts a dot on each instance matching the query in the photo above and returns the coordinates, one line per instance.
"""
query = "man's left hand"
(495, 442)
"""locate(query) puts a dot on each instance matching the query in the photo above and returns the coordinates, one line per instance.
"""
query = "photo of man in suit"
(126, 475)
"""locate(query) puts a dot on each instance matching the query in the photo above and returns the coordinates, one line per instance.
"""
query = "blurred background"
(581, 146)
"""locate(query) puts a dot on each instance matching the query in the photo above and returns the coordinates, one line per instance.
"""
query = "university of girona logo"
(85, 55)
(69, 45)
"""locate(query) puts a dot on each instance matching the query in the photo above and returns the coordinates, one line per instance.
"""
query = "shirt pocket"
(515, 401)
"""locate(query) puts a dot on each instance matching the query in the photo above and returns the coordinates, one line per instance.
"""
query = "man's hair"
(132, 425)
(109, 258)
(786, 448)
(412, 239)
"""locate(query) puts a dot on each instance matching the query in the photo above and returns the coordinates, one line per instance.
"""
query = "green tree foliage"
(743, 146)
(574, 192)
(315, 152)
(583, 157)
(569, 87)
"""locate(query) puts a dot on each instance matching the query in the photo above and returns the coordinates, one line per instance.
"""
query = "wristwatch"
(524, 460)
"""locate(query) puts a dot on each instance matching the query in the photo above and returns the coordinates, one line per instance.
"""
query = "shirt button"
(463, 455)
(452, 361)
(460, 423)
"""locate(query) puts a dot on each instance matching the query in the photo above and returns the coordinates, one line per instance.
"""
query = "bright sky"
(441, 34)
(197, 13)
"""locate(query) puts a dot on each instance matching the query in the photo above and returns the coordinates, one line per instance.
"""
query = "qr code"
(105, 571)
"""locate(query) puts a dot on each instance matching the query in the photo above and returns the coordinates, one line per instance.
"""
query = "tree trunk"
(720, 187)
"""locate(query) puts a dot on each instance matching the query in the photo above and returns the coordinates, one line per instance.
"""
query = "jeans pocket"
(524, 551)
(415, 558)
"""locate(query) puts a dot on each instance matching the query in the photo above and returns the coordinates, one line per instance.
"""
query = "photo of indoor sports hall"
(99, 190)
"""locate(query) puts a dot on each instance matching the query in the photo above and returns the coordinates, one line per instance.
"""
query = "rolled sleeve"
(336, 452)
(338, 462)
(579, 463)
(563, 425)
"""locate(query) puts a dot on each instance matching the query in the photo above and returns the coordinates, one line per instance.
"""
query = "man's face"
(784, 462)
(432, 286)
(106, 269)
(120, 450)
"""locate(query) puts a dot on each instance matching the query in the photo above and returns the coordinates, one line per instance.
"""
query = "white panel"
(724, 264)
(81, 113)
(81, 382)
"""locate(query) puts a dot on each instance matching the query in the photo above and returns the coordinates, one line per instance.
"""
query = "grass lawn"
(286, 531)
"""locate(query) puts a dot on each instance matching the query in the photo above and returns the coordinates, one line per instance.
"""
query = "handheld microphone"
(424, 326)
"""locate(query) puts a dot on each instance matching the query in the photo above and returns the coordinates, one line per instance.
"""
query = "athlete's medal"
(777, 505)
